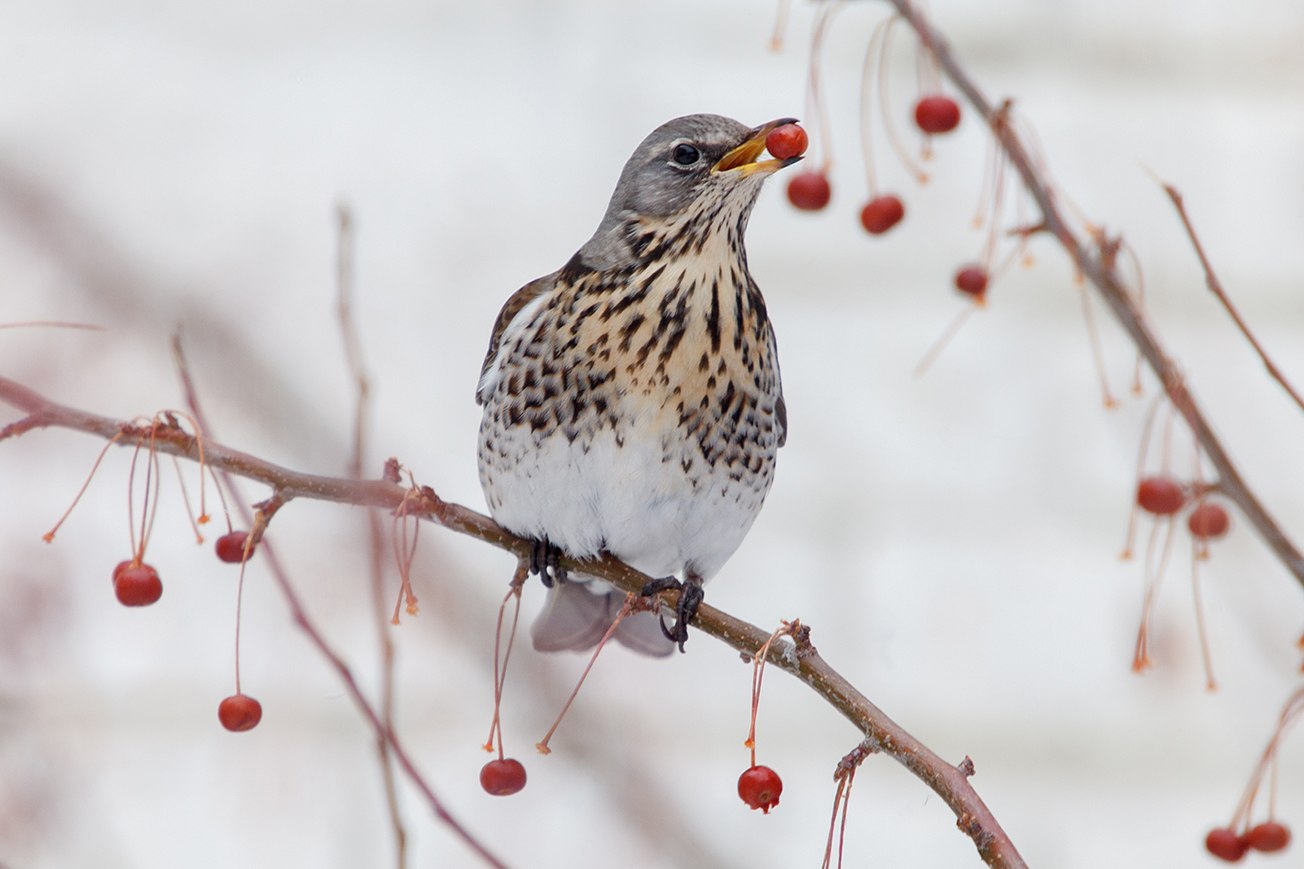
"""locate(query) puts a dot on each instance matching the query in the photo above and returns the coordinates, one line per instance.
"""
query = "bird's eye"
(685, 154)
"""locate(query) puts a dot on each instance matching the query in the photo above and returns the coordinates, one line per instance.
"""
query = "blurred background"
(953, 539)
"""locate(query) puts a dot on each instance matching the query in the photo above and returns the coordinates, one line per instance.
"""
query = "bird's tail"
(574, 619)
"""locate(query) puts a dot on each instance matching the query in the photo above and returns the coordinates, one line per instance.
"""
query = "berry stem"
(885, 106)
(48, 536)
(843, 775)
(758, 673)
(405, 553)
(221, 496)
(995, 208)
(992, 165)
(136, 552)
(1097, 353)
(928, 72)
(239, 602)
(169, 418)
(780, 26)
(814, 92)
(1206, 653)
(838, 803)
(1267, 765)
(185, 500)
(866, 113)
(631, 603)
(1154, 575)
(500, 670)
(1146, 428)
(147, 514)
(948, 334)
(150, 507)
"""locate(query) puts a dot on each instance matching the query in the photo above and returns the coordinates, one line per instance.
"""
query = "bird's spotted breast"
(668, 374)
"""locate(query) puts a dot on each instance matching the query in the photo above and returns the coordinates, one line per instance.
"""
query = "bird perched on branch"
(632, 401)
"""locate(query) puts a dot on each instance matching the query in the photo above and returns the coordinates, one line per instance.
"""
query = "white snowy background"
(953, 539)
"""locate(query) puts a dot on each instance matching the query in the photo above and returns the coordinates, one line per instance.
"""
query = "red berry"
(239, 712)
(972, 281)
(1268, 837)
(502, 778)
(787, 141)
(136, 584)
(760, 786)
(1224, 844)
(881, 214)
(809, 191)
(1208, 520)
(1160, 495)
(230, 547)
(937, 114)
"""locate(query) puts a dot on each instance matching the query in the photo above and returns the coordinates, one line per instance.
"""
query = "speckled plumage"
(632, 400)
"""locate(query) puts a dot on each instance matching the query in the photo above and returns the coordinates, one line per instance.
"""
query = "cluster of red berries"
(811, 191)
(1164, 496)
(1226, 844)
(136, 583)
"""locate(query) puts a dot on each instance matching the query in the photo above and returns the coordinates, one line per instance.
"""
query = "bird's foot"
(690, 598)
(543, 561)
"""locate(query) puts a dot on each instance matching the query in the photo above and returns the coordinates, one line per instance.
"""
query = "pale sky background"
(952, 539)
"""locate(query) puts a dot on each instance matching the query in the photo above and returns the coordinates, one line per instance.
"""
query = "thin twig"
(53, 324)
(881, 732)
(300, 617)
(375, 532)
(1216, 287)
(297, 611)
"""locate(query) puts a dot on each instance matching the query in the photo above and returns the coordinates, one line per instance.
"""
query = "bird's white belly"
(630, 496)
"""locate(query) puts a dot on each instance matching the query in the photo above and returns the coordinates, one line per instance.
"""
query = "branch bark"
(948, 781)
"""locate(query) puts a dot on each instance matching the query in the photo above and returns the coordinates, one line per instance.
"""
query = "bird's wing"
(780, 406)
(781, 411)
(510, 309)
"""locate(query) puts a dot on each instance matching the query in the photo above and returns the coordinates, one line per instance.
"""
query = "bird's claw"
(690, 598)
(544, 562)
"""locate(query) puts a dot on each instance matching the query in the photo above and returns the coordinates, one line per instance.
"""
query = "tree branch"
(948, 781)
(1103, 275)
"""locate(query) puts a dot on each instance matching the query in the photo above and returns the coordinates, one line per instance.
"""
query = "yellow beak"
(743, 157)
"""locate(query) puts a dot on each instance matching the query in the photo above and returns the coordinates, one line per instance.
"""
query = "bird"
(631, 400)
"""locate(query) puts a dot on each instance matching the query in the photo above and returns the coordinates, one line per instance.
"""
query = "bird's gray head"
(691, 164)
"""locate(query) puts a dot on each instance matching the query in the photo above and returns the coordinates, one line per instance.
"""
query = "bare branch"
(1101, 272)
(946, 779)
